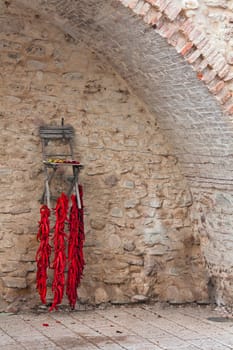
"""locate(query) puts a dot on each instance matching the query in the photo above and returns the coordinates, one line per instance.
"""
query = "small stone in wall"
(190, 13)
(190, 4)
(97, 224)
(10, 25)
(117, 212)
(128, 184)
(148, 212)
(156, 203)
(39, 75)
(12, 309)
(73, 76)
(129, 246)
(131, 203)
(83, 294)
(101, 296)
(139, 298)
(15, 282)
(133, 214)
(35, 50)
(135, 260)
(8, 243)
(114, 241)
(229, 54)
(155, 234)
(3, 7)
(111, 180)
(159, 250)
(9, 267)
(178, 295)
(151, 265)
(36, 65)
(217, 3)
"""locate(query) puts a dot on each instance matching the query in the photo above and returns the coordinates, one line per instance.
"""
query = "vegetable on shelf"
(62, 161)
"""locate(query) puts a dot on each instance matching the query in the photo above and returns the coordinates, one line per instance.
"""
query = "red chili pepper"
(43, 252)
(59, 262)
(75, 249)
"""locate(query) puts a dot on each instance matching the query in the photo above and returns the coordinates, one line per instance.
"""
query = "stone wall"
(188, 113)
(201, 32)
(165, 51)
(139, 236)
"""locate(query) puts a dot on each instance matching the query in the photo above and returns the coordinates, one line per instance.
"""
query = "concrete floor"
(141, 327)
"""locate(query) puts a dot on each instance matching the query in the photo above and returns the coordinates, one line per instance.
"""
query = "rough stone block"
(14, 282)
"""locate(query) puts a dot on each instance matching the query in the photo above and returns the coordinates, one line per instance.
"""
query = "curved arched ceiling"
(198, 131)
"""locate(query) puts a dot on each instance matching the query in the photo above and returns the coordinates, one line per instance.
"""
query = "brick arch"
(165, 59)
(169, 21)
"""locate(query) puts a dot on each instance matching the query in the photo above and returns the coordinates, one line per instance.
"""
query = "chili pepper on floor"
(43, 252)
(59, 262)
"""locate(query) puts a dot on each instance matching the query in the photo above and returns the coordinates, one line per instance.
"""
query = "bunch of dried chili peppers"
(74, 240)
(75, 250)
(43, 252)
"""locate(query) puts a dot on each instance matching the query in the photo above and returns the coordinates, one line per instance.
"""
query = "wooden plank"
(56, 136)
(56, 132)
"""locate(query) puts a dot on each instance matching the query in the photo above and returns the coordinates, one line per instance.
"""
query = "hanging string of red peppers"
(43, 252)
(75, 250)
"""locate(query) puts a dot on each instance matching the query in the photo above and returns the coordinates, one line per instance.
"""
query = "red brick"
(224, 71)
(152, 2)
(228, 77)
(194, 34)
(194, 56)
(125, 2)
(209, 75)
(167, 30)
(186, 48)
(187, 27)
(219, 63)
(152, 16)
(212, 56)
(173, 40)
(216, 88)
(230, 109)
(202, 65)
(160, 23)
(132, 4)
(224, 96)
(139, 7)
(162, 4)
(181, 41)
(172, 11)
(144, 10)
(208, 50)
(202, 43)
(197, 39)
